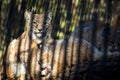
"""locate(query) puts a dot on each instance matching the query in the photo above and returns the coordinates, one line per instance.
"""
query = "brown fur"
(60, 55)
(18, 53)
(20, 49)
(47, 57)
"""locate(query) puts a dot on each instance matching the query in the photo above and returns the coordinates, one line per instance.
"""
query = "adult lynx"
(87, 32)
(19, 50)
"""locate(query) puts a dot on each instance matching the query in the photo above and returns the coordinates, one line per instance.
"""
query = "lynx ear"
(49, 18)
(27, 15)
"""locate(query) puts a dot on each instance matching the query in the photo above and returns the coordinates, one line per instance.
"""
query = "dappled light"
(59, 39)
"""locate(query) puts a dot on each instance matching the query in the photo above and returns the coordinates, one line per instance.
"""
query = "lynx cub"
(20, 49)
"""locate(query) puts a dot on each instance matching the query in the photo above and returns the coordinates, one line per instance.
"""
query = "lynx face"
(38, 25)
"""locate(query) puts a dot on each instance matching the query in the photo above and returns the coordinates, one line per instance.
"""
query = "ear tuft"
(27, 15)
(49, 18)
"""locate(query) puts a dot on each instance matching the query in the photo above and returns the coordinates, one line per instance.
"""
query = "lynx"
(20, 49)
(86, 32)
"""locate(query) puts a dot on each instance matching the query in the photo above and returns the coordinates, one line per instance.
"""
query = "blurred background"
(67, 15)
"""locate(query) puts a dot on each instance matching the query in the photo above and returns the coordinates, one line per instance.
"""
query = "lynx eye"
(34, 24)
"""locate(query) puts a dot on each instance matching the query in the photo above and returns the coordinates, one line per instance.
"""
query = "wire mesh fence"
(79, 41)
